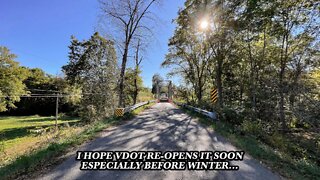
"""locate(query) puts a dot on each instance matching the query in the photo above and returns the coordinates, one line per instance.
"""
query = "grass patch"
(49, 154)
(279, 161)
(21, 134)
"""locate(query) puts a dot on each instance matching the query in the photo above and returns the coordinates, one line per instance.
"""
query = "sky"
(39, 31)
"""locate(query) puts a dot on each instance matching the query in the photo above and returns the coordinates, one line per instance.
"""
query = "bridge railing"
(121, 111)
(211, 115)
(131, 108)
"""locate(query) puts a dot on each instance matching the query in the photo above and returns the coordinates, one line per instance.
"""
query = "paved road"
(162, 127)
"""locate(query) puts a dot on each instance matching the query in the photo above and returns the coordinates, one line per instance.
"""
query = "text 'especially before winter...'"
(157, 160)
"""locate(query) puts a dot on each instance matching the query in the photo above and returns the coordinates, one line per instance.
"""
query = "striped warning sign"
(214, 95)
(119, 112)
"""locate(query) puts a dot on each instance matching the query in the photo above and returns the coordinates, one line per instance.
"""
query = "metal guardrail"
(131, 108)
(209, 114)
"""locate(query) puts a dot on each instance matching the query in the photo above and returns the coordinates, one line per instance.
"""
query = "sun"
(204, 24)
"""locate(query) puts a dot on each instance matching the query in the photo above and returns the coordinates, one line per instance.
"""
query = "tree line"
(262, 56)
(88, 87)
(92, 84)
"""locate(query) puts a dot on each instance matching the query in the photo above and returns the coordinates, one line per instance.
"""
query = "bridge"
(164, 91)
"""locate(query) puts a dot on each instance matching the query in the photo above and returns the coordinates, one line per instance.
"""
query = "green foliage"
(130, 21)
(129, 91)
(76, 92)
(37, 78)
(16, 81)
(231, 116)
(259, 54)
(92, 70)
(11, 80)
(188, 49)
(278, 141)
(252, 128)
(276, 154)
(263, 57)
(38, 83)
(145, 95)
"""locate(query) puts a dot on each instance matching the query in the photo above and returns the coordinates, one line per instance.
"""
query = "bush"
(253, 128)
(89, 113)
(231, 116)
(278, 141)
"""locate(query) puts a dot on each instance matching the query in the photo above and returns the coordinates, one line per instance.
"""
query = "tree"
(137, 72)
(188, 48)
(259, 54)
(134, 84)
(129, 15)
(11, 80)
(93, 66)
(43, 88)
(145, 95)
(281, 33)
(295, 22)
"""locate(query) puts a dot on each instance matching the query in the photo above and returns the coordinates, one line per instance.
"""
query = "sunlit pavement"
(163, 128)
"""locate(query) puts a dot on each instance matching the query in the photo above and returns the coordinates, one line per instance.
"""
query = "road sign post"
(119, 112)
(214, 95)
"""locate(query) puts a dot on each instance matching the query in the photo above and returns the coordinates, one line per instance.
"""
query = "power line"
(50, 95)
(40, 96)
(58, 94)
(33, 95)
(44, 90)
(62, 92)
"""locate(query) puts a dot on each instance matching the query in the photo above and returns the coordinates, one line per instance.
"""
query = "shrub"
(89, 113)
(278, 141)
(253, 128)
(231, 116)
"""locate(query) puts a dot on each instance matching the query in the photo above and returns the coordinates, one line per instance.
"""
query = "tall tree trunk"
(281, 103)
(241, 94)
(135, 95)
(122, 73)
(283, 59)
(219, 80)
(294, 85)
(136, 73)
(199, 94)
(252, 84)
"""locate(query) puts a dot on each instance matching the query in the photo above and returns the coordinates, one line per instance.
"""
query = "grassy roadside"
(280, 162)
(21, 135)
(39, 159)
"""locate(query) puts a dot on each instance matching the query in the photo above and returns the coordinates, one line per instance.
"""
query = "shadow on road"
(161, 128)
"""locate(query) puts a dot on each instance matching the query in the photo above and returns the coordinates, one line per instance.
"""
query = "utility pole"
(158, 90)
(57, 111)
(169, 91)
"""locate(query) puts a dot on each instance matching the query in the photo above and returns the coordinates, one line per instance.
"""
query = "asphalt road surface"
(160, 128)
